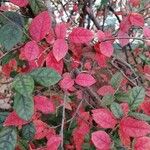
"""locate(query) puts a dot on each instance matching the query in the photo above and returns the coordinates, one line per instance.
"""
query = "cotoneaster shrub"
(74, 75)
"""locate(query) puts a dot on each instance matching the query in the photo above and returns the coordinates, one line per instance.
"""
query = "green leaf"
(121, 96)
(10, 35)
(13, 17)
(37, 6)
(116, 110)
(107, 100)
(23, 144)
(24, 106)
(104, 2)
(28, 131)
(136, 97)
(3, 115)
(8, 139)
(45, 76)
(116, 80)
(23, 84)
(140, 116)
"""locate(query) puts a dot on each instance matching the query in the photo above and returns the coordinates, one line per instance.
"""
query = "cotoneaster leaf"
(11, 34)
(8, 138)
(45, 76)
(60, 49)
(85, 80)
(24, 106)
(23, 84)
(104, 118)
(20, 3)
(40, 26)
(81, 35)
(31, 50)
(134, 128)
(101, 140)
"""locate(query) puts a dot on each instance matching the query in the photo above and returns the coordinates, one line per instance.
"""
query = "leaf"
(123, 38)
(134, 3)
(31, 50)
(85, 80)
(3, 116)
(116, 110)
(20, 3)
(106, 89)
(41, 129)
(101, 140)
(23, 84)
(44, 104)
(106, 48)
(104, 118)
(54, 142)
(40, 26)
(45, 76)
(24, 106)
(37, 6)
(10, 35)
(142, 143)
(14, 120)
(136, 19)
(14, 17)
(145, 106)
(136, 97)
(107, 100)
(139, 116)
(28, 131)
(116, 80)
(134, 128)
(67, 82)
(81, 35)
(60, 30)
(60, 49)
(51, 62)
(8, 139)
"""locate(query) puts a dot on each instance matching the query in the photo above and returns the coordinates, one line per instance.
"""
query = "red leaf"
(60, 30)
(60, 49)
(53, 142)
(106, 89)
(104, 118)
(31, 50)
(40, 26)
(134, 3)
(101, 60)
(125, 139)
(106, 48)
(142, 143)
(145, 106)
(101, 140)
(146, 32)
(125, 24)
(136, 19)
(122, 38)
(41, 129)
(44, 104)
(125, 108)
(81, 35)
(134, 128)
(14, 120)
(51, 62)
(67, 82)
(85, 80)
(20, 3)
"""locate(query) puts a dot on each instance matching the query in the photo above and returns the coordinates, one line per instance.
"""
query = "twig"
(63, 122)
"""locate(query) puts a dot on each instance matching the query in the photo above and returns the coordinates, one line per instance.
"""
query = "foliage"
(75, 75)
